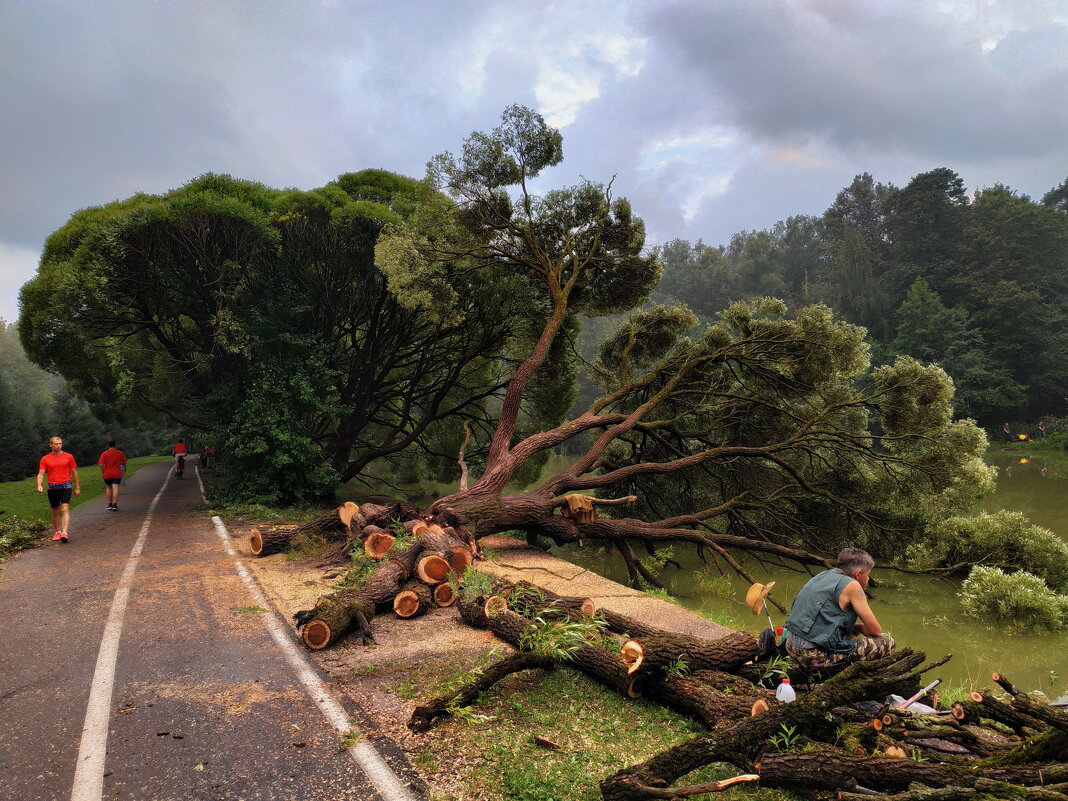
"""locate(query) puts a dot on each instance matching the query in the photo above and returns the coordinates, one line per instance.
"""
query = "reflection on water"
(918, 611)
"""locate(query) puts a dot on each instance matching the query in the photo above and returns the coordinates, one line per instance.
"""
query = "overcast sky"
(714, 116)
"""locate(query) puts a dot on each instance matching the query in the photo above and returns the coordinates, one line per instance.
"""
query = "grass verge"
(490, 753)
(20, 498)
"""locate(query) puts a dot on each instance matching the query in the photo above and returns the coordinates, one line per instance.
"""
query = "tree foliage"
(989, 269)
(203, 303)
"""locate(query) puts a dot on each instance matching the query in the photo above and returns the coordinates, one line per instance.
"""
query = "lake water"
(918, 611)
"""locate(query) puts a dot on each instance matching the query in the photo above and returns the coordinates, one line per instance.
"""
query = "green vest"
(816, 615)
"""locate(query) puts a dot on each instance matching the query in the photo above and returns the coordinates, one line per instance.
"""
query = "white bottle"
(784, 692)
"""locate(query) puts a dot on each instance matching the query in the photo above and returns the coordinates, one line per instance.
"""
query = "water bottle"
(784, 692)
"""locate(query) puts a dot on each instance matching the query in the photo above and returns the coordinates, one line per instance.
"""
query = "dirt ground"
(413, 657)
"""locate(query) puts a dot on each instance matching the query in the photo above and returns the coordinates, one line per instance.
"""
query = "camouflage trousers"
(868, 648)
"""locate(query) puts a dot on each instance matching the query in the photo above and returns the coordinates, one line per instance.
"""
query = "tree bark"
(335, 615)
(427, 715)
(413, 600)
(268, 540)
(335, 526)
(654, 655)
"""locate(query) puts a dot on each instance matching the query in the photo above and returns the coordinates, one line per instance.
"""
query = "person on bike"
(112, 464)
(62, 473)
(178, 451)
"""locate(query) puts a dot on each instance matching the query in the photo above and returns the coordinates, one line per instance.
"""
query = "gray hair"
(851, 560)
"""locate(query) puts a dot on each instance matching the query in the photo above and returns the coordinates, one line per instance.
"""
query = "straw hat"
(754, 599)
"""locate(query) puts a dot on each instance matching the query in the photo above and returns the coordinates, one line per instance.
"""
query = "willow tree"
(766, 431)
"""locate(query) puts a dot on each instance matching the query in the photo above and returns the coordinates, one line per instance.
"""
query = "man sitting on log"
(823, 627)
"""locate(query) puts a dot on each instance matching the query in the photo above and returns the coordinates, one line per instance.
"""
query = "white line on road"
(89, 774)
(389, 784)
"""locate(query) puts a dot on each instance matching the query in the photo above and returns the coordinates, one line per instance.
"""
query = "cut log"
(444, 595)
(433, 568)
(336, 618)
(413, 600)
(334, 615)
(598, 663)
(657, 654)
(531, 601)
(268, 540)
(376, 543)
(831, 768)
(442, 554)
(334, 526)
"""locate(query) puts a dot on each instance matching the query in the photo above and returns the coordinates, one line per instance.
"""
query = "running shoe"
(57, 536)
(63, 536)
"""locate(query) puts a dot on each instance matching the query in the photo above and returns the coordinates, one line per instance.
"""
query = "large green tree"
(222, 299)
(765, 431)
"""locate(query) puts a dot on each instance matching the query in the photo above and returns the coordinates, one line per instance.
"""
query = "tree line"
(310, 335)
(976, 282)
(34, 405)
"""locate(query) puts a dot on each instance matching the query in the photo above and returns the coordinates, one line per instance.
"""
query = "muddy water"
(918, 611)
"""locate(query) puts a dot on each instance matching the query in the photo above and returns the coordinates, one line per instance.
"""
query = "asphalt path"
(204, 703)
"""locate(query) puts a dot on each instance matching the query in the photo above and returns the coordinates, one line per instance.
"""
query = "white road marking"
(89, 773)
(389, 784)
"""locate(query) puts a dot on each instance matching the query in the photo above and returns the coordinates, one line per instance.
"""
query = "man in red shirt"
(112, 464)
(62, 476)
(178, 451)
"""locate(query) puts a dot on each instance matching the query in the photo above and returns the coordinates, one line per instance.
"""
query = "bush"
(1002, 539)
(1022, 600)
(18, 534)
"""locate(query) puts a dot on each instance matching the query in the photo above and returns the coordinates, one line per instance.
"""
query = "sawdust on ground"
(413, 656)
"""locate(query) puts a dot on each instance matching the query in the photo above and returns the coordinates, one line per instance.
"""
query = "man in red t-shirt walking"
(62, 477)
(112, 464)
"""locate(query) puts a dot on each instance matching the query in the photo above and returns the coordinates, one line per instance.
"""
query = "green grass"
(598, 733)
(20, 498)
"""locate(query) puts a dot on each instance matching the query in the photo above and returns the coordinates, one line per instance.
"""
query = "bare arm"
(40, 478)
(77, 486)
(854, 595)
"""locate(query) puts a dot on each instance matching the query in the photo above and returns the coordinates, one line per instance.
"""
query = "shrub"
(1020, 599)
(1002, 539)
(18, 534)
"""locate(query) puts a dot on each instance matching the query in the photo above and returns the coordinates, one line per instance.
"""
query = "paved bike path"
(205, 706)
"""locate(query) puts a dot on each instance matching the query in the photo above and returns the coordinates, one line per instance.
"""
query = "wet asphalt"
(204, 706)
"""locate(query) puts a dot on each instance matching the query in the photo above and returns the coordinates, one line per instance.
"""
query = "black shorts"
(58, 497)
(112, 481)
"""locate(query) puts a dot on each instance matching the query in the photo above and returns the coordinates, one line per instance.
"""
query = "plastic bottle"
(784, 692)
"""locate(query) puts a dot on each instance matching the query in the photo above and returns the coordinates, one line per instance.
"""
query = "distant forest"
(34, 405)
(976, 283)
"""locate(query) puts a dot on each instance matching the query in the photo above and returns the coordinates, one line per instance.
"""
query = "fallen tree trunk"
(413, 600)
(426, 715)
(656, 654)
(269, 540)
(831, 768)
(336, 614)
(742, 743)
(335, 526)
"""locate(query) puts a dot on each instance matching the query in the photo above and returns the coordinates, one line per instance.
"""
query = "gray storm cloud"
(713, 117)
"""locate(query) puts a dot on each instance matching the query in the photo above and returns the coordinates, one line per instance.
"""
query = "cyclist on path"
(178, 451)
(112, 464)
(62, 473)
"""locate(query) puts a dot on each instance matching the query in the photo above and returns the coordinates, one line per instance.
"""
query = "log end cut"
(316, 634)
(632, 654)
(377, 545)
(255, 542)
(407, 604)
(432, 569)
(444, 595)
